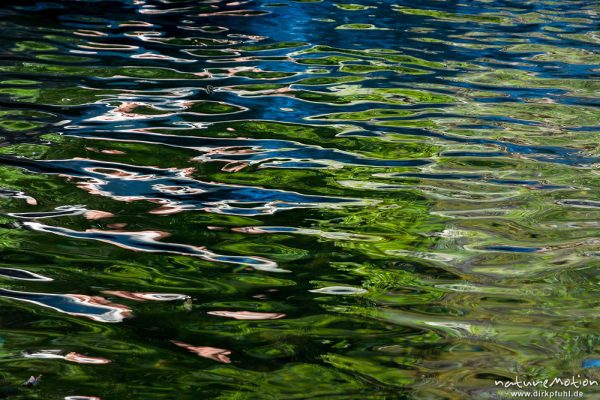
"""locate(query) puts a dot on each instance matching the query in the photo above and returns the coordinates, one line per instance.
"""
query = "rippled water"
(297, 199)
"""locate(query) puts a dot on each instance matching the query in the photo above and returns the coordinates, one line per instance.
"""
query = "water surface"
(279, 199)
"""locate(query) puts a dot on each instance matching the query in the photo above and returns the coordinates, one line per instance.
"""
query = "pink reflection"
(95, 150)
(127, 111)
(95, 214)
(127, 107)
(236, 70)
(20, 195)
(122, 310)
(112, 152)
(232, 151)
(117, 226)
(234, 166)
(97, 300)
(213, 353)
(249, 229)
(122, 174)
(81, 359)
(246, 315)
(143, 296)
(72, 356)
(169, 209)
(187, 172)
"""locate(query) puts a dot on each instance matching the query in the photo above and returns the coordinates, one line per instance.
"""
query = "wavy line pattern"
(293, 199)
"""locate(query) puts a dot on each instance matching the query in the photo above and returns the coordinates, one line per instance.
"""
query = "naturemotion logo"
(576, 382)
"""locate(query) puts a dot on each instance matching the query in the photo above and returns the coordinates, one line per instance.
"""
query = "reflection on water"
(94, 307)
(72, 356)
(365, 200)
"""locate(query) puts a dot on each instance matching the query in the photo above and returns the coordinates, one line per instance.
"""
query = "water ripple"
(426, 174)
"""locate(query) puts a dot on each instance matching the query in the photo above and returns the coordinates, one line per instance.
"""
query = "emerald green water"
(297, 199)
